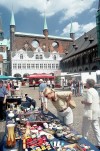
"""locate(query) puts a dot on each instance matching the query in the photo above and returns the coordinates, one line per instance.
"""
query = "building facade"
(4, 47)
(27, 62)
(35, 53)
(84, 52)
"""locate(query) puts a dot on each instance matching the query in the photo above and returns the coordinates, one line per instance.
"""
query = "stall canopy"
(3, 77)
(40, 76)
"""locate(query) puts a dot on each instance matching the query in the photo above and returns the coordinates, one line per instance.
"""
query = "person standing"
(3, 96)
(42, 86)
(53, 83)
(48, 83)
(61, 100)
(34, 84)
(91, 111)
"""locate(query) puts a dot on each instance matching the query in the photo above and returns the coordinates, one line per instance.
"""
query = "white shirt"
(92, 97)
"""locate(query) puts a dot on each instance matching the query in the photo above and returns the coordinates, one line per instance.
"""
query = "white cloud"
(78, 29)
(93, 10)
(70, 8)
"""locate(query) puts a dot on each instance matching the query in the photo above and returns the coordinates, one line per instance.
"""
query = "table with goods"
(29, 129)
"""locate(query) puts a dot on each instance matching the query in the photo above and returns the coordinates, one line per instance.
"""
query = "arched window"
(21, 56)
(55, 44)
(35, 43)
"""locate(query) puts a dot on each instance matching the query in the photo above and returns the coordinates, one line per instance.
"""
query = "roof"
(4, 42)
(12, 19)
(45, 23)
(42, 36)
(83, 44)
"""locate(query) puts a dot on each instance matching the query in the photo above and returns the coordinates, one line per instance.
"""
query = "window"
(49, 66)
(57, 66)
(41, 57)
(45, 66)
(24, 66)
(21, 56)
(41, 66)
(35, 43)
(55, 44)
(37, 66)
(19, 66)
(28, 66)
(32, 66)
(1, 49)
(53, 66)
(55, 57)
(14, 66)
(37, 57)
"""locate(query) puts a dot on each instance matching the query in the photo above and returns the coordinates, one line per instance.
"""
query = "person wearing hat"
(42, 86)
(3, 96)
(60, 100)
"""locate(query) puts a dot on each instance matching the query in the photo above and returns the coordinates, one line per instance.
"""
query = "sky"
(29, 16)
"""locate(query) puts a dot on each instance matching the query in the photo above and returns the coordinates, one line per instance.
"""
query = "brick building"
(41, 49)
(84, 53)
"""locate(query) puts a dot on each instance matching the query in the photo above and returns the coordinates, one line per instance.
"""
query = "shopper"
(61, 101)
(3, 96)
(43, 99)
(91, 111)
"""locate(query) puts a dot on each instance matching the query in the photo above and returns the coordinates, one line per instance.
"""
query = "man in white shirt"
(91, 111)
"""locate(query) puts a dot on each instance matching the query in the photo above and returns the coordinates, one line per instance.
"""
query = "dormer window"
(91, 39)
(74, 44)
(85, 36)
(21, 56)
(76, 47)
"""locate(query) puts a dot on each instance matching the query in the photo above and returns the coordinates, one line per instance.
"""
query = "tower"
(1, 30)
(72, 34)
(12, 31)
(45, 32)
(12, 37)
(98, 31)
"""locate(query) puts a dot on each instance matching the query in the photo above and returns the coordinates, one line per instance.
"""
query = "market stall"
(37, 130)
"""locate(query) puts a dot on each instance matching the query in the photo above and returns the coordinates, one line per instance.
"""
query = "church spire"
(12, 22)
(72, 34)
(1, 30)
(45, 29)
(45, 23)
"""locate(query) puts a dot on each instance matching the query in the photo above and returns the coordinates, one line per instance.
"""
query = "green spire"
(71, 27)
(12, 19)
(45, 22)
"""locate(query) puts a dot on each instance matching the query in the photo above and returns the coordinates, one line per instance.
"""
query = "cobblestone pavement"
(77, 111)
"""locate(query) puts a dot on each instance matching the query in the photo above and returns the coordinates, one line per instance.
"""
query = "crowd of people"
(63, 102)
